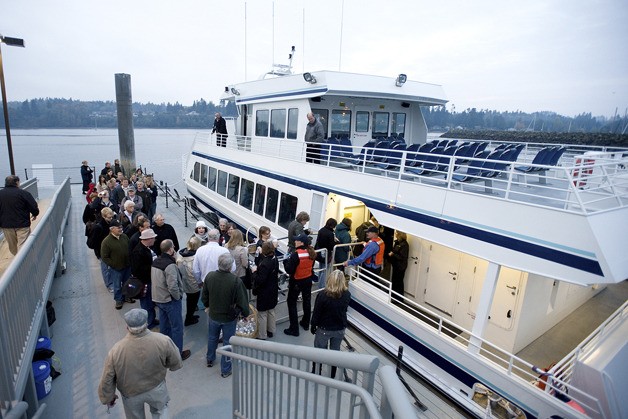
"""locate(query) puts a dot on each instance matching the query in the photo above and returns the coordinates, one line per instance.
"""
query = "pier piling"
(124, 106)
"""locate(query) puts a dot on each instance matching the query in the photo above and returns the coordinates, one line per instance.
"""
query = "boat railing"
(291, 387)
(490, 354)
(24, 290)
(580, 182)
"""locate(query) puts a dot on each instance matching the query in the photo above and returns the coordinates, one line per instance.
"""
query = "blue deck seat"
(428, 163)
(542, 155)
(474, 170)
(414, 159)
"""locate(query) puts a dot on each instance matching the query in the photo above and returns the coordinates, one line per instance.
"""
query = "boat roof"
(295, 86)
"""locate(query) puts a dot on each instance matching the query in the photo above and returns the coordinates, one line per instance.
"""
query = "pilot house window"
(261, 123)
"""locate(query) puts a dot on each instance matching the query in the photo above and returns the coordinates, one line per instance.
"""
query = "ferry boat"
(506, 239)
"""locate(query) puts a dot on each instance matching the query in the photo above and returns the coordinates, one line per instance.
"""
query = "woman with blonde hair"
(190, 285)
(240, 254)
(329, 318)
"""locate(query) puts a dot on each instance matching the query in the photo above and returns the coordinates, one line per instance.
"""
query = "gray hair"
(213, 235)
(128, 203)
(225, 262)
(156, 216)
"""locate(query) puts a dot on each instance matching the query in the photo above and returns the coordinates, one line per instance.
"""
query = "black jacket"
(16, 207)
(266, 282)
(86, 173)
(141, 262)
(164, 232)
(99, 231)
(326, 240)
(330, 313)
(220, 126)
(400, 251)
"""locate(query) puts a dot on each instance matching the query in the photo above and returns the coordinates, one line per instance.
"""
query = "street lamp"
(14, 42)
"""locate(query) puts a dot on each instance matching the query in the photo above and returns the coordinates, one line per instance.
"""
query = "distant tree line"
(68, 113)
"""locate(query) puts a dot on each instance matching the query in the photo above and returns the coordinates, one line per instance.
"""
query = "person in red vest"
(300, 267)
(372, 258)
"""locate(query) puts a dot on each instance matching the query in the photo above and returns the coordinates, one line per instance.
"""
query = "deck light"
(14, 42)
(309, 77)
(235, 91)
(401, 79)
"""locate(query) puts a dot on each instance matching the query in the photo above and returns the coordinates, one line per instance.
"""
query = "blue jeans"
(106, 274)
(118, 277)
(146, 302)
(171, 321)
(228, 330)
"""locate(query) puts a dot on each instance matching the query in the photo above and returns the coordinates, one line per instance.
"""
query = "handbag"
(234, 310)
(132, 287)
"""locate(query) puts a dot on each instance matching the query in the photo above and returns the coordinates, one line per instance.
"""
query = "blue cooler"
(43, 381)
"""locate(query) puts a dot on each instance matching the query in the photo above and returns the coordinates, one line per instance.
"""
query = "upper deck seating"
(542, 157)
(366, 154)
(392, 158)
(415, 159)
(474, 170)
(428, 163)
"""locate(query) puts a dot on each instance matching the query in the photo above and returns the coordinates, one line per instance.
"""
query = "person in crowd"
(17, 209)
(206, 259)
(114, 251)
(129, 215)
(300, 267)
(220, 290)
(101, 185)
(119, 177)
(220, 128)
(111, 187)
(360, 233)
(399, 261)
(296, 228)
(240, 254)
(372, 258)
(266, 288)
(142, 258)
(131, 195)
(329, 318)
(164, 232)
(326, 239)
(133, 179)
(141, 223)
(231, 227)
(154, 193)
(200, 232)
(223, 227)
(314, 137)
(190, 285)
(144, 195)
(110, 176)
(167, 295)
(106, 169)
(264, 236)
(91, 193)
(137, 367)
(103, 201)
(87, 174)
(121, 190)
(343, 234)
(117, 168)
(99, 231)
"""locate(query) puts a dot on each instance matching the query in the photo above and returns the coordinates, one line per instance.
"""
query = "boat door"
(317, 211)
(504, 301)
(362, 127)
(442, 278)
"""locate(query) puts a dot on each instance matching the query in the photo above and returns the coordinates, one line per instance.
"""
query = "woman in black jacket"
(329, 319)
(265, 287)
(399, 260)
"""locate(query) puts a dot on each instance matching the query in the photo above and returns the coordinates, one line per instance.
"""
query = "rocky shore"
(598, 139)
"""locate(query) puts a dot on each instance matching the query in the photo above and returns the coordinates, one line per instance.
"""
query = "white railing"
(583, 184)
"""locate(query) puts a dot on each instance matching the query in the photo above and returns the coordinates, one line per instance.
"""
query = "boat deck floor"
(87, 326)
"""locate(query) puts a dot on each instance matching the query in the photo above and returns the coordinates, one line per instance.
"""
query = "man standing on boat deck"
(372, 258)
(314, 136)
(17, 209)
(220, 128)
(137, 366)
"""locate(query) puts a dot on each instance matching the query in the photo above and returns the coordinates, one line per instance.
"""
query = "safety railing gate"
(275, 380)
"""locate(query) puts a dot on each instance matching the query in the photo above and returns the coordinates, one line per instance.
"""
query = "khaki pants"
(16, 237)
(157, 399)
(267, 323)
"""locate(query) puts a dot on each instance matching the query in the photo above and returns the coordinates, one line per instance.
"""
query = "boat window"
(323, 116)
(234, 188)
(203, 174)
(287, 209)
(272, 199)
(260, 198)
(222, 183)
(246, 194)
(362, 120)
(398, 123)
(380, 124)
(278, 123)
(340, 123)
(211, 183)
(261, 123)
(293, 123)
(196, 174)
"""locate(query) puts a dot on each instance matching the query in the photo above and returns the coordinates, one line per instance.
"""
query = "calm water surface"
(160, 151)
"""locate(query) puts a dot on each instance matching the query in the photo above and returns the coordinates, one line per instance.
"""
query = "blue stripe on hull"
(517, 245)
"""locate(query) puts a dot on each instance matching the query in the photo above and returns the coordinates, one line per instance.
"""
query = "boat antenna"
(245, 75)
(342, 14)
(273, 36)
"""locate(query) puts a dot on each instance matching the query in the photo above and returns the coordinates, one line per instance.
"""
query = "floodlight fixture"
(309, 77)
(401, 79)
(13, 42)
(235, 91)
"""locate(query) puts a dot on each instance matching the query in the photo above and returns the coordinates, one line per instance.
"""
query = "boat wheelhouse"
(506, 239)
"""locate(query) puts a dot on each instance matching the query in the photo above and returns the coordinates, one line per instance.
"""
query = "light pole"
(14, 42)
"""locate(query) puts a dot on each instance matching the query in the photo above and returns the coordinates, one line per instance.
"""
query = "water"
(160, 151)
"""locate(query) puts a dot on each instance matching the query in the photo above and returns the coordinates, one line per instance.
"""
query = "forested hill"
(68, 113)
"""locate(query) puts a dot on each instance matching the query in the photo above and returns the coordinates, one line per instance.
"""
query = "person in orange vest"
(300, 267)
(372, 257)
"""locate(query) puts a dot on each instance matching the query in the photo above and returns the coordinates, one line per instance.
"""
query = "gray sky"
(566, 56)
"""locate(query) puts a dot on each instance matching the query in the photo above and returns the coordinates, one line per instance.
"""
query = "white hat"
(201, 223)
(148, 234)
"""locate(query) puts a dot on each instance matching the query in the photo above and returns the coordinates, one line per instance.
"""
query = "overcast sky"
(566, 56)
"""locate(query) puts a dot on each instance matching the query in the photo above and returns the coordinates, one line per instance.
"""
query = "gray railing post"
(26, 173)
(185, 211)
(167, 192)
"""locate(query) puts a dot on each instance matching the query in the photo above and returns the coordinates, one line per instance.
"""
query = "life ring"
(583, 168)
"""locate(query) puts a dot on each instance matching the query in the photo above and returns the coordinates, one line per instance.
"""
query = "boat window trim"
(221, 185)
(344, 114)
(233, 188)
(394, 128)
(259, 199)
(357, 121)
(244, 195)
(293, 123)
(288, 205)
(272, 199)
(212, 178)
(278, 127)
(260, 130)
(377, 133)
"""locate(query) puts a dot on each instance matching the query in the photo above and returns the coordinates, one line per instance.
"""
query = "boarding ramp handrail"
(601, 186)
(24, 290)
(274, 380)
(509, 364)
